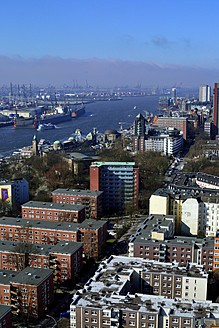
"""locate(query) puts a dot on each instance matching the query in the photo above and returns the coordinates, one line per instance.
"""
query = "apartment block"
(118, 180)
(91, 233)
(53, 211)
(15, 192)
(5, 316)
(91, 199)
(29, 291)
(115, 296)
(190, 195)
(155, 240)
(64, 258)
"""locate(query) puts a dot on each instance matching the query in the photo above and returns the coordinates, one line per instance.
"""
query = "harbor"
(99, 115)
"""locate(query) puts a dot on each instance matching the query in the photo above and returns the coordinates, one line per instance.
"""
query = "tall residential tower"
(216, 108)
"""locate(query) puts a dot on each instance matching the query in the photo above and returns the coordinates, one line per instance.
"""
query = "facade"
(168, 143)
(91, 199)
(5, 316)
(14, 192)
(204, 93)
(208, 128)
(216, 108)
(155, 240)
(138, 144)
(91, 233)
(53, 212)
(173, 143)
(29, 291)
(120, 299)
(118, 180)
(216, 251)
(180, 123)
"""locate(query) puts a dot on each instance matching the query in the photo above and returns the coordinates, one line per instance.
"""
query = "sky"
(117, 41)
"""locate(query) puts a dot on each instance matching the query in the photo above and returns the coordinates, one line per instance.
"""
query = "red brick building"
(29, 291)
(64, 258)
(91, 199)
(92, 233)
(5, 316)
(53, 212)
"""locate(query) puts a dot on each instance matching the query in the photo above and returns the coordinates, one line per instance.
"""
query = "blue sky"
(167, 32)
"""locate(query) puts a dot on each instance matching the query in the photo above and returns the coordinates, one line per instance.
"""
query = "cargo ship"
(20, 122)
(54, 117)
(77, 111)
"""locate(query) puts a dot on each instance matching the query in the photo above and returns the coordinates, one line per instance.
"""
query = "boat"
(21, 122)
(46, 126)
(134, 107)
(77, 111)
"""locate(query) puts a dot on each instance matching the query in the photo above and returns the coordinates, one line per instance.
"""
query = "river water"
(101, 115)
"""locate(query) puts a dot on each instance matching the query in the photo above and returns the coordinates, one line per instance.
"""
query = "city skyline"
(109, 42)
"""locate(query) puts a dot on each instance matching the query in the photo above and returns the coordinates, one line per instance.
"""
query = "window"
(131, 315)
(94, 312)
(131, 323)
(178, 279)
(150, 317)
(106, 322)
(93, 320)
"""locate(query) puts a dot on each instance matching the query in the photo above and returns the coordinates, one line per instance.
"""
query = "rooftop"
(52, 225)
(54, 206)
(31, 276)
(110, 288)
(4, 309)
(98, 164)
(77, 192)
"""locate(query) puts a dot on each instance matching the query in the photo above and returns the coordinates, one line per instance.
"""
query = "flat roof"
(98, 164)
(53, 206)
(6, 276)
(111, 287)
(67, 247)
(77, 192)
(31, 276)
(52, 225)
(63, 247)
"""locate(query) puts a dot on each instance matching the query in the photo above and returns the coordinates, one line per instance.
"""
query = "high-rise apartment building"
(204, 93)
(216, 108)
(139, 126)
(118, 180)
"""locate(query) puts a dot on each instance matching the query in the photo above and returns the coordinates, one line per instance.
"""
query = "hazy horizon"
(101, 72)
